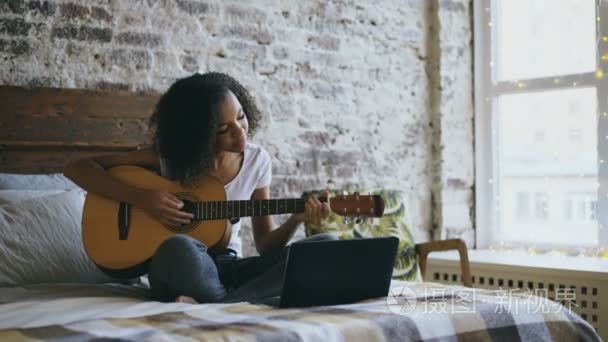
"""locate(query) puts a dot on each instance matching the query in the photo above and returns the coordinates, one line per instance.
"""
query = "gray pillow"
(53, 181)
(40, 242)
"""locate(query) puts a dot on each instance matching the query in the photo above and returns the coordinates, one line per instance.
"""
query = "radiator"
(582, 281)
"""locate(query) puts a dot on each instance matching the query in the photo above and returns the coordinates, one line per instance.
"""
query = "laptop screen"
(338, 272)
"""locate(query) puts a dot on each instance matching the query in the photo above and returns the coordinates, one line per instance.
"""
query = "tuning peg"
(345, 193)
(346, 220)
(356, 193)
(358, 220)
(369, 193)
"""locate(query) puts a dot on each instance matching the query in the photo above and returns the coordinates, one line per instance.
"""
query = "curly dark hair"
(185, 120)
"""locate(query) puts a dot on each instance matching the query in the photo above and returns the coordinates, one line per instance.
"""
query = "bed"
(42, 128)
(82, 312)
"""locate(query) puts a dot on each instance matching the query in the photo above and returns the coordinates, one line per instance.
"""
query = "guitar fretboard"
(217, 210)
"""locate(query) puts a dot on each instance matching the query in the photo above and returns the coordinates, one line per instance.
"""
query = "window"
(523, 206)
(576, 135)
(527, 211)
(541, 122)
(574, 107)
(580, 208)
(539, 136)
(540, 206)
(568, 209)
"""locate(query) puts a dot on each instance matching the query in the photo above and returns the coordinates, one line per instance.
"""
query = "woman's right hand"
(164, 207)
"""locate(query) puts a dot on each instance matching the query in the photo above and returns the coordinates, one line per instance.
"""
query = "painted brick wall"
(375, 93)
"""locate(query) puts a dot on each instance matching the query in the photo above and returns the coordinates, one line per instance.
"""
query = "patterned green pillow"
(392, 223)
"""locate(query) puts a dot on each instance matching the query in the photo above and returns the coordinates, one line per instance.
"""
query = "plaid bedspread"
(411, 312)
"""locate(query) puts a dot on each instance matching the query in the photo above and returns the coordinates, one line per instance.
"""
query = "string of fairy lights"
(530, 249)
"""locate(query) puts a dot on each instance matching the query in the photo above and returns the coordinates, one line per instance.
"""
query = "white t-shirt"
(255, 173)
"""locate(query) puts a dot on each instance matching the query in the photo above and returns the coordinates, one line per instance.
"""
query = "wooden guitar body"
(122, 240)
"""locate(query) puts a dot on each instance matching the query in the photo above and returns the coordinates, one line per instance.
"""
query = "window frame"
(487, 163)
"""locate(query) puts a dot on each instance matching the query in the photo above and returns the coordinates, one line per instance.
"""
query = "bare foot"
(185, 299)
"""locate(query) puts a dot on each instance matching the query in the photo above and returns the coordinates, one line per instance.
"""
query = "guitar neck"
(217, 210)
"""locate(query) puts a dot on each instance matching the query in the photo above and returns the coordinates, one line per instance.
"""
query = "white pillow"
(14, 196)
(54, 181)
(40, 242)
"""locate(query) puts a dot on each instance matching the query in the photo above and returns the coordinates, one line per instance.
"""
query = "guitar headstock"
(357, 205)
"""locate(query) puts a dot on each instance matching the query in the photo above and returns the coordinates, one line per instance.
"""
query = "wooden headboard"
(43, 128)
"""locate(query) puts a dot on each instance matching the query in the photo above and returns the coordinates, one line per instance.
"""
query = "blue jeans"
(182, 266)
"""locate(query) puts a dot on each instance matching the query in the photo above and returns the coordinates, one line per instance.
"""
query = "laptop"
(336, 272)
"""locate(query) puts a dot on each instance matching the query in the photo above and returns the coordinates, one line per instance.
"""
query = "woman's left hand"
(315, 211)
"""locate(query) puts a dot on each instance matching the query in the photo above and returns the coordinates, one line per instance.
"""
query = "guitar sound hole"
(189, 207)
(190, 202)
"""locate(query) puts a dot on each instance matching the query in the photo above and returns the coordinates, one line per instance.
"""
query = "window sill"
(521, 259)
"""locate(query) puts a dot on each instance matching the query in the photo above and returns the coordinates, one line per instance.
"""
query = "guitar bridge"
(124, 220)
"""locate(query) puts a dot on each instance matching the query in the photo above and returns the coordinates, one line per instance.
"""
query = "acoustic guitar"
(120, 239)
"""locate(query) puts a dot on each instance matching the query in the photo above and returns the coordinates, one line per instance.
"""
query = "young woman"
(201, 127)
